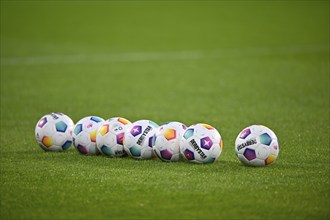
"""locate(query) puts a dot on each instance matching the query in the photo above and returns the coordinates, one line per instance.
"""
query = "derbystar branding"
(247, 143)
(197, 148)
(54, 116)
(119, 152)
(144, 134)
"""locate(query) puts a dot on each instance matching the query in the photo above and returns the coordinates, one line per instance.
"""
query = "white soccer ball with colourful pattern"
(139, 139)
(53, 132)
(84, 135)
(110, 137)
(201, 143)
(257, 145)
(167, 145)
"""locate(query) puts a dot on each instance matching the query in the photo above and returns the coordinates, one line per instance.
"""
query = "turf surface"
(229, 64)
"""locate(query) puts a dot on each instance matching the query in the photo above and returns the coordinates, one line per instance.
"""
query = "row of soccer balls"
(255, 145)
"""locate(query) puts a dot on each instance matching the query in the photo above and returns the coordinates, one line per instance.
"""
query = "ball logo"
(197, 148)
(119, 152)
(247, 143)
(144, 134)
(90, 125)
(54, 116)
(119, 128)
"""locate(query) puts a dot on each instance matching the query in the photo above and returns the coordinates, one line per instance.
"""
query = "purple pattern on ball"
(249, 154)
(206, 143)
(42, 122)
(166, 154)
(245, 133)
(136, 130)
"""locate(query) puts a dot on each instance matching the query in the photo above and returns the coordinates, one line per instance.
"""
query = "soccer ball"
(167, 145)
(201, 143)
(110, 137)
(257, 145)
(139, 139)
(53, 132)
(84, 135)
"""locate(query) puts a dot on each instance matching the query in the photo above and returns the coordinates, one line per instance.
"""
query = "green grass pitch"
(228, 64)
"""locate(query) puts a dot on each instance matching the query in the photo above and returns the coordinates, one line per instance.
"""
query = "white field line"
(155, 56)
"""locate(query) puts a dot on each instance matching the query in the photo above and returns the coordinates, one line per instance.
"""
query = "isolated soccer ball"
(257, 145)
(110, 137)
(53, 132)
(84, 134)
(167, 145)
(201, 143)
(139, 139)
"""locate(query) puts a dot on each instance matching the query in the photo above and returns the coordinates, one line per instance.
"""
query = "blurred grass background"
(229, 64)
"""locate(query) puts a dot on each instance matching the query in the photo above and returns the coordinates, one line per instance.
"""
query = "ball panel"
(135, 151)
(124, 121)
(189, 155)
(146, 153)
(206, 143)
(209, 127)
(265, 139)
(66, 145)
(189, 132)
(274, 148)
(245, 133)
(165, 154)
(106, 150)
(257, 162)
(249, 154)
(93, 136)
(96, 119)
(270, 159)
(104, 129)
(152, 141)
(170, 134)
(61, 126)
(82, 149)
(77, 129)
(262, 152)
(136, 130)
(47, 141)
(120, 138)
(209, 160)
(243, 159)
(42, 122)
